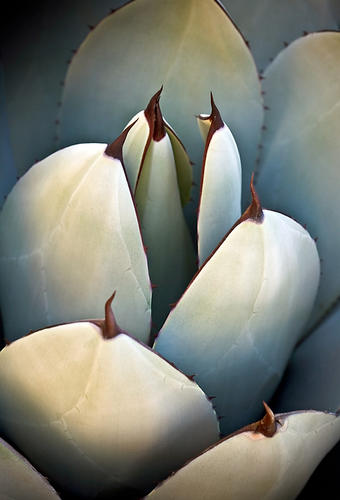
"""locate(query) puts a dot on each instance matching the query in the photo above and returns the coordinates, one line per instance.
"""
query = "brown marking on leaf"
(154, 117)
(110, 327)
(115, 149)
(216, 123)
(267, 426)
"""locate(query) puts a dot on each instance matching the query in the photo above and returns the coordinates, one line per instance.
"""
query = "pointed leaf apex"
(154, 117)
(254, 211)
(115, 149)
(215, 116)
(267, 425)
(110, 327)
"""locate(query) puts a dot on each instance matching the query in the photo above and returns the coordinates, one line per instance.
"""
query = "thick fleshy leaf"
(269, 25)
(220, 200)
(135, 146)
(98, 411)
(270, 459)
(300, 172)
(38, 46)
(238, 321)
(183, 165)
(312, 379)
(169, 247)
(69, 235)
(19, 480)
(190, 47)
(7, 171)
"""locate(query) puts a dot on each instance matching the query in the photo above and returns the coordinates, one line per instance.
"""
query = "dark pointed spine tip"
(254, 211)
(110, 327)
(115, 149)
(215, 116)
(267, 425)
(154, 117)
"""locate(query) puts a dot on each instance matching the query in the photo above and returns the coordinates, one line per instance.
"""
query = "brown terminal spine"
(110, 327)
(154, 117)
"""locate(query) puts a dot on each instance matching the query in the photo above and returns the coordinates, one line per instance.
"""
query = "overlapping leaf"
(98, 411)
(300, 172)
(69, 235)
(238, 321)
(192, 48)
(270, 459)
(220, 198)
(313, 374)
(269, 25)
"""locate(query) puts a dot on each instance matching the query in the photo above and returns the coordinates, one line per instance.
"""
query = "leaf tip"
(115, 149)
(110, 328)
(154, 117)
(267, 425)
(254, 211)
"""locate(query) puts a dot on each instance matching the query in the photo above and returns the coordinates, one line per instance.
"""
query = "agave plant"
(235, 263)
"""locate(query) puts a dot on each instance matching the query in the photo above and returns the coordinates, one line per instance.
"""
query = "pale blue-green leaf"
(220, 199)
(312, 379)
(19, 480)
(237, 323)
(69, 238)
(36, 54)
(69, 397)
(299, 171)
(134, 150)
(183, 165)
(270, 24)
(191, 48)
(252, 466)
(169, 247)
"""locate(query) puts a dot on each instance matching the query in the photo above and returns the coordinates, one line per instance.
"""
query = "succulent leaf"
(137, 142)
(220, 199)
(269, 25)
(239, 319)
(69, 235)
(313, 374)
(251, 464)
(300, 172)
(36, 52)
(174, 35)
(183, 165)
(19, 480)
(100, 412)
(169, 247)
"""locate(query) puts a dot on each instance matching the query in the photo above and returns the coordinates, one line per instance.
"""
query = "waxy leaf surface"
(269, 25)
(40, 41)
(191, 48)
(313, 375)
(69, 236)
(220, 198)
(238, 321)
(100, 414)
(299, 172)
(169, 247)
(250, 465)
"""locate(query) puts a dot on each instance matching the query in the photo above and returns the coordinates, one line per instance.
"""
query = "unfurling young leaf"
(155, 179)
